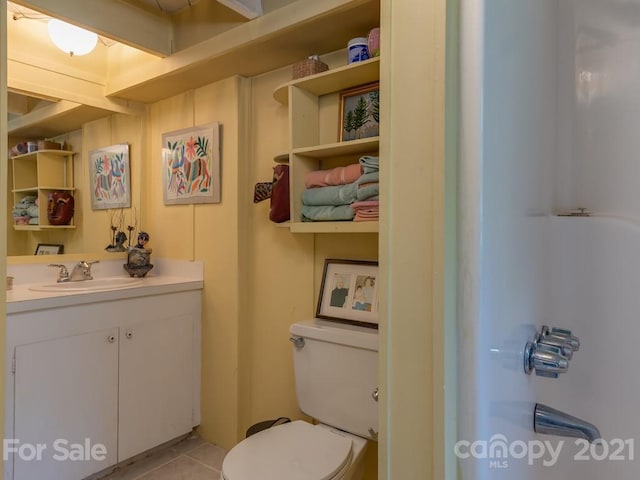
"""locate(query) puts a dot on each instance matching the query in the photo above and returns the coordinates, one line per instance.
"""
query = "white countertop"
(167, 276)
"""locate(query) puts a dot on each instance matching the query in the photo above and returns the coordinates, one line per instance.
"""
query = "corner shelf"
(338, 149)
(37, 174)
(333, 227)
(37, 228)
(307, 153)
(334, 80)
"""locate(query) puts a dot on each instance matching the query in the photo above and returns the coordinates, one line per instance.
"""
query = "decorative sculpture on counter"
(60, 208)
(138, 258)
(118, 237)
(118, 243)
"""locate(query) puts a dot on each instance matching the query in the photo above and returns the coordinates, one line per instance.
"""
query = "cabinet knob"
(111, 338)
(129, 334)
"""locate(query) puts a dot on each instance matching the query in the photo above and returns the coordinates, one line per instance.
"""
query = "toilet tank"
(336, 375)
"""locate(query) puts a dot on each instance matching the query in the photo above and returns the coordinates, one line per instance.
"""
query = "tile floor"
(190, 459)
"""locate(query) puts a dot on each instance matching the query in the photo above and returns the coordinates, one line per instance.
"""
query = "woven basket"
(308, 66)
(47, 145)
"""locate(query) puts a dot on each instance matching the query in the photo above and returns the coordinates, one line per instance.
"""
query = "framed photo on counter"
(49, 249)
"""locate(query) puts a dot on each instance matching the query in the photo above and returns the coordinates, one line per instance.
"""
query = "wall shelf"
(308, 152)
(338, 149)
(37, 174)
(334, 80)
(333, 227)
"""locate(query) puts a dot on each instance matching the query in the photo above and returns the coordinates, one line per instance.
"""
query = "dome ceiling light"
(70, 39)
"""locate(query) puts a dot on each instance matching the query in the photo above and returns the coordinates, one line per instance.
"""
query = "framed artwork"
(349, 292)
(191, 165)
(359, 112)
(110, 177)
(49, 249)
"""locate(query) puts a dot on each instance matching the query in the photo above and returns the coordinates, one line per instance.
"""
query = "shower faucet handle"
(566, 334)
(567, 343)
(548, 354)
(546, 360)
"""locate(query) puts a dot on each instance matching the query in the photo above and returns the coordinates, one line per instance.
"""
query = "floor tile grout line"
(210, 467)
(156, 467)
(176, 452)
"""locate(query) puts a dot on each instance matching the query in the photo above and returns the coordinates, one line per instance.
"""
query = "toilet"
(336, 378)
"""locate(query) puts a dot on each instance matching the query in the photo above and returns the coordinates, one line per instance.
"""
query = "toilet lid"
(292, 451)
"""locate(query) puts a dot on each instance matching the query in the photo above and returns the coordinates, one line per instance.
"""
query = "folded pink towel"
(335, 176)
(364, 204)
(361, 217)
(366, 210)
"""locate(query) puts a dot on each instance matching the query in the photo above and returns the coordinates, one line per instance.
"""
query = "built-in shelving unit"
(37, 174)
(307, 152)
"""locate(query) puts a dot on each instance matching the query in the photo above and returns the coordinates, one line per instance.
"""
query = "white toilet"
(336, 375)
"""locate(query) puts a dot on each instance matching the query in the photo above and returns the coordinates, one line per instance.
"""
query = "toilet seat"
(292, 451)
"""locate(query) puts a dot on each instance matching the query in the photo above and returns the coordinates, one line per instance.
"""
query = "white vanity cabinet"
(122, 373)
(156, 383)
(66, 390)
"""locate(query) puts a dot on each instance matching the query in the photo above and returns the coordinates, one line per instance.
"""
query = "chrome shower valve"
(550, 351)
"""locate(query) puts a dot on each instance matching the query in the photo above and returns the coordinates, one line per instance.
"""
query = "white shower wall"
(550, 109)
(599, 102)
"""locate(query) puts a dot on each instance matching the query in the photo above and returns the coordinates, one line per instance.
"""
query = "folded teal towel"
(33, 211)
(368, 186)
(368, 191)
(334, 195)
(368, 177)
(369, 164)
(326, 213)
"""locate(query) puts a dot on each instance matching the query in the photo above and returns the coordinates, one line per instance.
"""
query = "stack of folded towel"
(331, 194)
(25, 212)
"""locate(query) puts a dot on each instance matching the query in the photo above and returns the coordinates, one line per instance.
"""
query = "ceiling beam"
(17, 103)
(42, 114)
(113, 19)
(54, 85)
(247, 8)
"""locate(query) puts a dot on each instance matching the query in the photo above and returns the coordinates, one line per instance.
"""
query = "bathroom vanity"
(96, 377)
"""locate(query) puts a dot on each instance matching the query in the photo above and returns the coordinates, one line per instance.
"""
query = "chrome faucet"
(549, 352)
(81, 271)
(554, 422)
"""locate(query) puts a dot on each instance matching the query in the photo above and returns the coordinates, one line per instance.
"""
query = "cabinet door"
(66, 399)
(156, 383)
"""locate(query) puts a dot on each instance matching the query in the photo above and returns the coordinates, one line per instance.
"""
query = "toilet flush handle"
(298, 342)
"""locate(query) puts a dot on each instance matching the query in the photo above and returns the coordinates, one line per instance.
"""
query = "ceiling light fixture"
(71, 39)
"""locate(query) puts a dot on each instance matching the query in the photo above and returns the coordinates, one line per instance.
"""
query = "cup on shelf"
(357, 50)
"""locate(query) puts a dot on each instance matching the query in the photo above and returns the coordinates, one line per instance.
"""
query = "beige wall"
(412, 133)
(3, 209)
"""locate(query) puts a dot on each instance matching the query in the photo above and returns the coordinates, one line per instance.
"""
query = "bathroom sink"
(97, 284)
